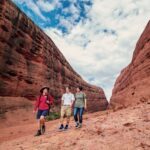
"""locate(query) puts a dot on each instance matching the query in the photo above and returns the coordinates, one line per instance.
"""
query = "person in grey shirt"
(79, 106)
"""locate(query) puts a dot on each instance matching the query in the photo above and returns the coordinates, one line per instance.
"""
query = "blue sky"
(97, 37)
(55, 13)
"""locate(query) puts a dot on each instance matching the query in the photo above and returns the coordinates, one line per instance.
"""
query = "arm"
(62, 100)
(72, 102)
(85, 102)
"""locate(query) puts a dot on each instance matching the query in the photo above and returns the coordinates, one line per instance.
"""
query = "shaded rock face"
(133, 84)
(29, 59)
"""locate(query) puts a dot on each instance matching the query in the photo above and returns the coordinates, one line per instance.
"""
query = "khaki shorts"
(65, 110)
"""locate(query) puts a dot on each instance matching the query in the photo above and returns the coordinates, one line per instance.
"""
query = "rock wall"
(29, 59)
(133, 84)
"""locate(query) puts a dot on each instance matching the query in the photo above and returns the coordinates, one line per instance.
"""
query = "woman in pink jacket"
(42, 105)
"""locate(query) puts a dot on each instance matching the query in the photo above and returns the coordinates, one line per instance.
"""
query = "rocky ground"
(124, 129)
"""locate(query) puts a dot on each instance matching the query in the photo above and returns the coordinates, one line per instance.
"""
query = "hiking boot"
(66, 127)
(43, 129)
(80, 125)
(38, 133)
(77, 125)
(61, 127)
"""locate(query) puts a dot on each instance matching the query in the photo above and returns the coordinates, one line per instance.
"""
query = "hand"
(48, 102)
(85, 107)
(72, 106)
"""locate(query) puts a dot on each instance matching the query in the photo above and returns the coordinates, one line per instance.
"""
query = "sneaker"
(61, 127)
(77, 125)
(66, 127)
(38, 133)
(80, 125)
(43, 129)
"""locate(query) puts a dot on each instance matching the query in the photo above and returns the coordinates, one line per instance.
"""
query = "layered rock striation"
(133, 84)
(29, 59)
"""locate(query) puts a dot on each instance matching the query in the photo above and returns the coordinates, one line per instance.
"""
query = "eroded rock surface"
(29, 59)
(133, 84)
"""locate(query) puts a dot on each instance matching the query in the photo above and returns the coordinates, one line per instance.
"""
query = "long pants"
(78, 113)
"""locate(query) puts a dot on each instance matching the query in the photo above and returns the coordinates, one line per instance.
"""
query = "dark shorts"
(41, 113)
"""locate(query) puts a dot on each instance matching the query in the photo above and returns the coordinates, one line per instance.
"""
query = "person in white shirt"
(66, 108)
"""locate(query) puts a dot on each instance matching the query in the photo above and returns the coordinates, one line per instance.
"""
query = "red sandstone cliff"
(133, 84)
(29, 59)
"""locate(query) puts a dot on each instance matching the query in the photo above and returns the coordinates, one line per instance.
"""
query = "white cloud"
(69, 21)
(31, 5)
(47, 6)
(100, 47)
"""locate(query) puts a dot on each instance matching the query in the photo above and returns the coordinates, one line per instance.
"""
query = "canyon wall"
(133, 84)
(29, 59)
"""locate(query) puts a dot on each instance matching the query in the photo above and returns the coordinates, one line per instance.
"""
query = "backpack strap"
(50, 99)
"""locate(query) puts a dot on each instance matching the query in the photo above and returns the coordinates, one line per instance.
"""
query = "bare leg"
(38, 124)
(62, 115)
(61, 120)
(42, 121)
(68, 120)
(42, 124)
(39, 128)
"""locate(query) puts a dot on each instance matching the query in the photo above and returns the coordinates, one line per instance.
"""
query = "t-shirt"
(68, 98)
(80, 100)
(41, 102)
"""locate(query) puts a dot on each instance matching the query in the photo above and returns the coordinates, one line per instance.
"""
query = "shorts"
(42, 113)
(65, 110)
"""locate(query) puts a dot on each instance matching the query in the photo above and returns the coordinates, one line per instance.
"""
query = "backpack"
(51, 100)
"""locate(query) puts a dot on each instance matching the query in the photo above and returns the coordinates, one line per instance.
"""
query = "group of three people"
(69, 101)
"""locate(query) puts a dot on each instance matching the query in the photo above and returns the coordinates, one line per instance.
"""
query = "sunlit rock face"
(29, 59)
(133, 84)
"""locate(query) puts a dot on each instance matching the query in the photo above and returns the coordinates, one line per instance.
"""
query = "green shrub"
(53, 116)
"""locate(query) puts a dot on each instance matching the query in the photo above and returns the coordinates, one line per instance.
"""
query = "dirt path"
(126, 129)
